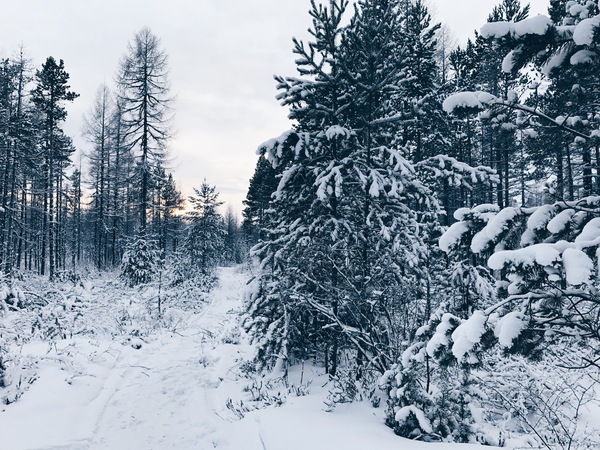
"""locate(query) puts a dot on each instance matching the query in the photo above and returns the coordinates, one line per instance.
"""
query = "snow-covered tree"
(204, 242)
(258, 198)
(50, 95)
(141, 261)
(97, 131)
(346, 245)
(432, 393)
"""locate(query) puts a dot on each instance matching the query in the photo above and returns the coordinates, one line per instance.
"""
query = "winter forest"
(417, 264)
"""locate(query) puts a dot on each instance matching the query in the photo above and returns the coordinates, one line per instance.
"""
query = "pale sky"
(222, 58)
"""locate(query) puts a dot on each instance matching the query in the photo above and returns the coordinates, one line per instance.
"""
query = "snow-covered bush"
(11, 299)
(538, 400)
(232, 336)
(3, 357)
(11, 296)
(352, 383)
(431, 390)
(267, 322)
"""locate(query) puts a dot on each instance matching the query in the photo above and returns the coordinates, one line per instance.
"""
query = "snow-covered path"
(171, 394)
(165, 395)
(168, 395)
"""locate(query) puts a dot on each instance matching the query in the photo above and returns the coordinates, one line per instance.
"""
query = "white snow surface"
(537, 25)
(468, 334)
(579, 268)
(171, 394)
(509, 327)
(585, 30)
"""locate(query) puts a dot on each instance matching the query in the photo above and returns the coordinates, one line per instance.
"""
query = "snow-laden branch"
(481, 101)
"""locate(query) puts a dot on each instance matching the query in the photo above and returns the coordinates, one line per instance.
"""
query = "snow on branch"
(477, 100)
(481, 101)
(456, 173)
(557, 242)
(403, 414)
(538, 25)
(586, 30)
(275, 149)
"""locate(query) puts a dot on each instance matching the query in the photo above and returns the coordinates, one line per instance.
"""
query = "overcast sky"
(222, 57)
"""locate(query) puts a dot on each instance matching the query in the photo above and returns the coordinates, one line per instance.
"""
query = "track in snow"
(170, 394)
(166, 398)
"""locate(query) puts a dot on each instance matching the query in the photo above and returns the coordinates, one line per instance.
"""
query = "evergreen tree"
(171, 202)
(204, 240)
(263, 185)
(141, 261)
(49, 96)
(345, 245)
(233, 243)
(76, 219)
(18, 134)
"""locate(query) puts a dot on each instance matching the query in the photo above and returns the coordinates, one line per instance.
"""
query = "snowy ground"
(172, 393)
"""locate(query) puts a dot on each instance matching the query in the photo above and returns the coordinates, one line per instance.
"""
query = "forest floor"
(184, 388)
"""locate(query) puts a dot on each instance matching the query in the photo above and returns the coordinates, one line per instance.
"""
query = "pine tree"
(171, 202)
(263, 185)
(277, 316)
(234, 250)
(76, 219)
(344, 246)
(204, 240)
(49, 96)
(141, 261)
(18, 134)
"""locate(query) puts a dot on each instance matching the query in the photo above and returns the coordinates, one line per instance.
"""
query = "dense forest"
(429, 226)
(427, 232)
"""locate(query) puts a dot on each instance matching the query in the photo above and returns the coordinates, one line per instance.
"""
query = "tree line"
(58, 214)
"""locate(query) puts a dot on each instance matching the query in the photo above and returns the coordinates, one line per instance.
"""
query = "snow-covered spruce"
(547, 259)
